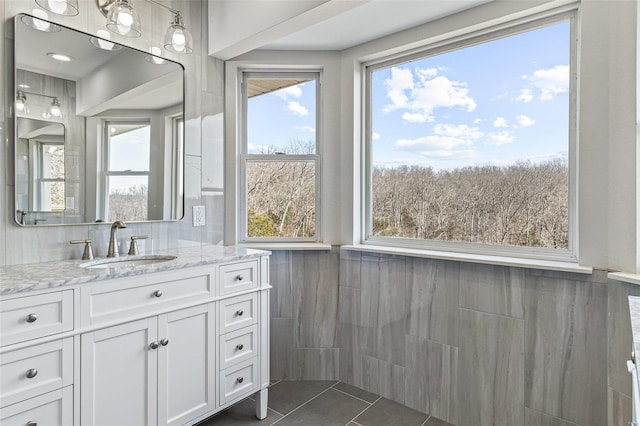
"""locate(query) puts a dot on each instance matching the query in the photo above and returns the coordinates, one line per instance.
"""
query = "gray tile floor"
(323, 403)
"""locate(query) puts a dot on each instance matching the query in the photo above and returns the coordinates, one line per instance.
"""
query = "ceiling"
(369, 21)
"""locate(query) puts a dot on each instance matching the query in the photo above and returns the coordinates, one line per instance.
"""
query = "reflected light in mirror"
(60, 7)
(101, 41)
(39, 24)
(155, 58)
(59, 57)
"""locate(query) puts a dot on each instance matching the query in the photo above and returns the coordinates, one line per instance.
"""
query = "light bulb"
(102, 43)
(124, 21)
(178, 40)
(58, 6)
(39, 24)
(54, 109)
(20, 105)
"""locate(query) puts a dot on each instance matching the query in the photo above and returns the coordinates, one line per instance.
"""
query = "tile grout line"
(353, 396)
(302, 405)
(492, 313)
(425, 422)
(360, 413)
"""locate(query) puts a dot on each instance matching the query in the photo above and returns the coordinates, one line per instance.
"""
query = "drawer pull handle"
(239, 277)
(239, 346)
(31, 423)
(31, 373)
(239, 312)
(240, 380)
(32, 318)
(154, 345)
(164, 342)
(157, 293)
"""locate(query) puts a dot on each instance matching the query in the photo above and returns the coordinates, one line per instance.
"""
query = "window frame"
(41, 144)
(244, 157)
(106, 173)
(569, 13)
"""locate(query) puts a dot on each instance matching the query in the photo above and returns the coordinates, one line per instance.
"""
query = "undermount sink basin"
(126, 262)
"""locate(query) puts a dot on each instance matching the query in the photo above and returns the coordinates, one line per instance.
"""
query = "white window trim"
(530, 22)
(244, 157)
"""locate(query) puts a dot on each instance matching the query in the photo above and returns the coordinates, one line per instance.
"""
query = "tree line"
(523, 204)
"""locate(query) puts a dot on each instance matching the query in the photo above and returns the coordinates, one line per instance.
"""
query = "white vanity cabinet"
(163, 348)
(151, 371)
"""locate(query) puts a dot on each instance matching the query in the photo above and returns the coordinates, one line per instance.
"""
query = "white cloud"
(375, 136)
(477, 121)
(451, 155)
(499, 138)
(524, 121)
(500, 122)
(549, 82)
(461, 131)
(259, 149)
(296, 108)
(309, 129)
(526, 95)
(421, 94)
(289, 92)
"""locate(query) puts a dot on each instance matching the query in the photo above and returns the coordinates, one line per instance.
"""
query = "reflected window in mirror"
(50, 181)
(177, 165)
(126, 175)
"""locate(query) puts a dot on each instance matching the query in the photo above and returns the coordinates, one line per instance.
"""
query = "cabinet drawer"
(51, 409)
(238, 312)
(140, 295)
(238, 381)
(238, 346)
(27, 318)
(32, 371)
(238, 277)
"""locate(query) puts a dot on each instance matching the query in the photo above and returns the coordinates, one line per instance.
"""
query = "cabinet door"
(186, 364)
(119, 375)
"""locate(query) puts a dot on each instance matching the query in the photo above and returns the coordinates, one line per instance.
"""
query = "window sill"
(286, 246)
(625, 277)
(549, 265)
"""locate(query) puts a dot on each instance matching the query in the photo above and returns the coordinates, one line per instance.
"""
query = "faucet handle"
(133, 247)
(88, 250)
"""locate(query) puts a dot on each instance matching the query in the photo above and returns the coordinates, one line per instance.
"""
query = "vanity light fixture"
(21, 102)
(38, 21)
(60, 7)
(123, 19)
(53, 110)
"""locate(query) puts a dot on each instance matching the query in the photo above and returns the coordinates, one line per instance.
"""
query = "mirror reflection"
(99, 129)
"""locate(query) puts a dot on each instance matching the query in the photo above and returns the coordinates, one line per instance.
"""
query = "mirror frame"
(181, 199)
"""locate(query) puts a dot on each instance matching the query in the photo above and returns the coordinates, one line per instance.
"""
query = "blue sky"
(492, 103)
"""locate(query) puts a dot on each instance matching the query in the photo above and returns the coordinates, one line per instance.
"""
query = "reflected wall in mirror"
(99, 130)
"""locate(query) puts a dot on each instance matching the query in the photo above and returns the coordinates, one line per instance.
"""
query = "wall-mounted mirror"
(99, 129)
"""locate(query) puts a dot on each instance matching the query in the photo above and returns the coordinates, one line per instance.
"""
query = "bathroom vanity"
(167, 343)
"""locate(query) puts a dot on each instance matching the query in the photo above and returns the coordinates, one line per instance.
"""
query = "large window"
(471, 146)
(126, 170)
(280, 161)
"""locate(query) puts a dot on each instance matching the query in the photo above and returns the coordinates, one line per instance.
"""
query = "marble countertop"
(634, 310)
(40, 276)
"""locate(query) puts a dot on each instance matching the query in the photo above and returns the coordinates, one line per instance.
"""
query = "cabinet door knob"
(239, 346)
(164, 342)
(240, 380)
(157, 293)
(31, 423)
(239, 277)
(32, 318)
(239, 313)
(31, 373)
(154, 345)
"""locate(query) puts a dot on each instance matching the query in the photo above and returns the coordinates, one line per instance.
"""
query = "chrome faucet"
(113, 242)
